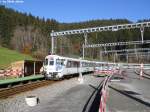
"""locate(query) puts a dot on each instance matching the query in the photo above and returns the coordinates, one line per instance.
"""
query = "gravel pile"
(45, 94)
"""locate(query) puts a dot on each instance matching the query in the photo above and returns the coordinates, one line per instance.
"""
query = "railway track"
(6, 92)
(145, 75)
(10, 91)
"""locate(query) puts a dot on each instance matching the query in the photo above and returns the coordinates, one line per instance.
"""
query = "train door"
(78, 66)
(59, 65)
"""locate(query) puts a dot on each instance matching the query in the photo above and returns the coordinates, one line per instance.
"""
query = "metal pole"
(142, 33)
(127, 58)
(135, 52)
(80, 79)
(101, 58)
(117, 57)
(52, 44)
(148, 56)
(106, 52)
(83, 51)
(85, 39)
(85, 43)
(34, 67)
(55, 45)
(23, 69)
(114, 58)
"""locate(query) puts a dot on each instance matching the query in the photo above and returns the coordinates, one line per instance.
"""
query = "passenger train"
(57, 67)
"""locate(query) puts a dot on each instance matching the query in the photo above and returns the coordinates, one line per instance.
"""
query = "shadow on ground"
(131, 94)
(94, 107)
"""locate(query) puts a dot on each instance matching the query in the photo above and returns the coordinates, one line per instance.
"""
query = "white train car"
(56, 67)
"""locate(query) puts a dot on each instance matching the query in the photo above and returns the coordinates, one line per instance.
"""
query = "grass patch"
(8, 56)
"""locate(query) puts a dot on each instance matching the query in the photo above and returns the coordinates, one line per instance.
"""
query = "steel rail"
(6, 92)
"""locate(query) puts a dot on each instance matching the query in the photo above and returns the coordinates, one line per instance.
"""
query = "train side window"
(82, 64)
(86, 64)
(62, 62)
(76, 64)
(68, 64)
(72, 64)
(90, 64)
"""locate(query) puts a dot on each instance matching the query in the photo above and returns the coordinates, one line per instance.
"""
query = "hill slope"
(8, 56)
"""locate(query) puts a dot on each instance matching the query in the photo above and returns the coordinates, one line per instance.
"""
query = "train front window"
(51, 62)
(58, 61)
(46, 62)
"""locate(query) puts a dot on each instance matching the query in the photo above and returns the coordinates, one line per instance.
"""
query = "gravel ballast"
(45, 94)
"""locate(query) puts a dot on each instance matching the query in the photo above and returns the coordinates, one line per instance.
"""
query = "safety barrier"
(140, 72)
(104, 95)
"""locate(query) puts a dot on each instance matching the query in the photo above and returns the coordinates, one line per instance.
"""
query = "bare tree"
(30, 41)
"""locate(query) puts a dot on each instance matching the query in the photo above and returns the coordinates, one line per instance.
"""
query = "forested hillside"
(31, 35)
(25, 33)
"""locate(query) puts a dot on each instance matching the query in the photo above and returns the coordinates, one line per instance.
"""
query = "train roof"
(62, 57)
(75, 59)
